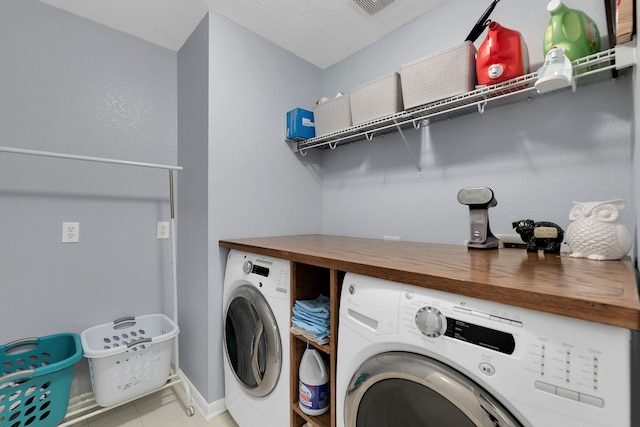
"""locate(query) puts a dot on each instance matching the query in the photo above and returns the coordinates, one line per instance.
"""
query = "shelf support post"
(406, 143)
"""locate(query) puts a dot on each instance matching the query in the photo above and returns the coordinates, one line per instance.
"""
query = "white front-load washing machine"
(410, 356)
(256, 311)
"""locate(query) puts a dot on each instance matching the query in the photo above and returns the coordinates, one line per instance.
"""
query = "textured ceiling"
(320, 31)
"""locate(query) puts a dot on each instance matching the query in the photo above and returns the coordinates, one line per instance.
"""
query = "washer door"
(252, 341)
(410, 390)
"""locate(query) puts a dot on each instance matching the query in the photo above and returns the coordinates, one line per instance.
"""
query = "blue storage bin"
(35, 379)
(300, 124)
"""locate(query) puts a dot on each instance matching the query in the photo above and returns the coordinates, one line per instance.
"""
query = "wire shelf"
(586, 70)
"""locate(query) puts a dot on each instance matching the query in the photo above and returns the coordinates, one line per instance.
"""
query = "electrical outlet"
(70, 232)
(163, 230)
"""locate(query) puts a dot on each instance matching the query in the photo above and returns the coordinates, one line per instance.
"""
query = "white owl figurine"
(597, 232)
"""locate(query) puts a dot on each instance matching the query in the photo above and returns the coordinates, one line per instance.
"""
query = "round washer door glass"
(252, 341)
(410, 390)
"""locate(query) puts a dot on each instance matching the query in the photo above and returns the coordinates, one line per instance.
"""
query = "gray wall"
(537, 156)
(256, 184)
(194, 247)
(72, 86)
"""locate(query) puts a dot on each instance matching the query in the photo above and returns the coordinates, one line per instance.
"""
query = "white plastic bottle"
(313, 388)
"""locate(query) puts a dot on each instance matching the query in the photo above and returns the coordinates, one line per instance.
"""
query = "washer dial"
(431, 322)
(247, 267)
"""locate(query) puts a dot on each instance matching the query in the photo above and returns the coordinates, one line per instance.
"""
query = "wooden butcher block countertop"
(599, 291)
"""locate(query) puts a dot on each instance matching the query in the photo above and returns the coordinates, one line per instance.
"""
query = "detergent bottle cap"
(554, 6)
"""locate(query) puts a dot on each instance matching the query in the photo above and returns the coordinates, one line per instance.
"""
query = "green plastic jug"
(572, 30)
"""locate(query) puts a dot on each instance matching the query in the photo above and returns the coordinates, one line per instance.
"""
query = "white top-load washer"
(256, 311)
(413, 356)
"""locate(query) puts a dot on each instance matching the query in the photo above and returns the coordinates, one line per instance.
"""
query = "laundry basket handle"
(138, 342)
(124, 319)
(15, 375)
(11, 347)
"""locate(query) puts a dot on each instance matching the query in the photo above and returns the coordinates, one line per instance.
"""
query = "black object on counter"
(479, 200)
(542, 235)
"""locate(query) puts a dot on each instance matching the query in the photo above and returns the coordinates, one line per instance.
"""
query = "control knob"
(431, 322)
(247, 267)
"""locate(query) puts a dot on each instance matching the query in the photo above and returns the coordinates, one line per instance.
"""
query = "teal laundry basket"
(35, 379)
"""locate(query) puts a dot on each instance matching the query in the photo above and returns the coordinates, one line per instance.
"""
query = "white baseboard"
(208, 410)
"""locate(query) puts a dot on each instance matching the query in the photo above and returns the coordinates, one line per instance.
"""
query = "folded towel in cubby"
(312, 316)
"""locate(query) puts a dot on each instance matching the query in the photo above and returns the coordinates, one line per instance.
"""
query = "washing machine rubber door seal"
(401, 388)
(252, 342)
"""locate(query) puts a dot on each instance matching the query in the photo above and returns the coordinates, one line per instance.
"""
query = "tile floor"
(164, 408)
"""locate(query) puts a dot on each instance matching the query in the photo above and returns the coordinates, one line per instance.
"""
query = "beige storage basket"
(332, 115)
(378, 98)
(441, 75)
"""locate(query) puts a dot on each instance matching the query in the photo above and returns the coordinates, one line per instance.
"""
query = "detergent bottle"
(313, 388)
(572, 30)
(503, 55)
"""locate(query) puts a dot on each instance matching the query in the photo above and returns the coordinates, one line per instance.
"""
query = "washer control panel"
(558, 356)
(553, 370)
(272, 275)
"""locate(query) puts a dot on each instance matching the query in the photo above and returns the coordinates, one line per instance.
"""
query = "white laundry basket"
(129, 356)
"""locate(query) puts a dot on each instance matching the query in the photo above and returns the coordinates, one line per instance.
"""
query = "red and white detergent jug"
(503, 55)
